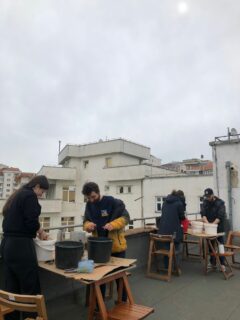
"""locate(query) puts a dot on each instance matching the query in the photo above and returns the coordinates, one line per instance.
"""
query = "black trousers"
(20, 269)
(213, 259)
(103, 286)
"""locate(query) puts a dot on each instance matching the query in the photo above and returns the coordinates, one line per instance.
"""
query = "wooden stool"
(154, 252)
(198, 242)
(230, 247)
(213, 244)
(128, 310)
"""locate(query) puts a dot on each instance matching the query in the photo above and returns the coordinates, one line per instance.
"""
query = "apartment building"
(123, 169)
(191, 166)
(7, 181)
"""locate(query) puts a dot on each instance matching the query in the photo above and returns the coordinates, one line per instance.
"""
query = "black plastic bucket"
(99, 249)
(68, 254)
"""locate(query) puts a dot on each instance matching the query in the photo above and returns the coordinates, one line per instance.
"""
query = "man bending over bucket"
(106, 216)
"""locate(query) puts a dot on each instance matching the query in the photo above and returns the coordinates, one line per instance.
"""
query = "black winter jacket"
(214, 210)
(21, 219)
(172, 214)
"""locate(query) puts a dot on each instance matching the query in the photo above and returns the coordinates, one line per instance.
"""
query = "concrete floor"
(190, 296)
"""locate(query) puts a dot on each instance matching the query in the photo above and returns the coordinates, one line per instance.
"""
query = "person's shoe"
(223, 268)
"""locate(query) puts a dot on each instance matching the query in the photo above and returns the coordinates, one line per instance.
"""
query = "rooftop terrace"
(190, 296)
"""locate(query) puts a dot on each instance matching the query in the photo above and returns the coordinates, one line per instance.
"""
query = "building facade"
(226, 157)
(123, 169)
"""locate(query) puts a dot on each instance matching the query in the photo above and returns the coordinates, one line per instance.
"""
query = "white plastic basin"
(45, 249)
(210, 228)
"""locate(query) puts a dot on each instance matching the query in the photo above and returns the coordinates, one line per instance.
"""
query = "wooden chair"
(5, 310)
(156, 239)
(123, 310)
(231, 247)
(15, 302)
(186, 252)
(213, 251)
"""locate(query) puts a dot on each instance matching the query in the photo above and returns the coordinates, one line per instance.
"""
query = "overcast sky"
(164, 73)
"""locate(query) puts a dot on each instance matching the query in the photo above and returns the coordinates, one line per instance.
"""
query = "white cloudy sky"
(164, 73)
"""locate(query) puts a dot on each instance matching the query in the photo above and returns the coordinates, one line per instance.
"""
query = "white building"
(123, 169)
(226, 157)
(7, 181)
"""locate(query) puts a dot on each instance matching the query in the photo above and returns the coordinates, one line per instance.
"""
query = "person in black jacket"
(20, 225)
(213, 211)
(170, 223)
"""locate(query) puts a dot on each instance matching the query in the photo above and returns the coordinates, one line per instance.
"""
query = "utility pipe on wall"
(228, 166)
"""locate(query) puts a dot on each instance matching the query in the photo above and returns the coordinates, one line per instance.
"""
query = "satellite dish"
(233, 132)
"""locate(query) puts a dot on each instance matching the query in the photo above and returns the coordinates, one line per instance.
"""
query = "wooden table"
(95, 292)
(211, 242)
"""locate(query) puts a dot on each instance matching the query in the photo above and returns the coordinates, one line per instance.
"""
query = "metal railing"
(131, 223)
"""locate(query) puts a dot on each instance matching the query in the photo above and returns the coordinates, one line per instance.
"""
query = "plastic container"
(210, 228)
(197, 226)
(86, 266)
(99, 249)
(45, 249)
(68, 254)
(78, 236)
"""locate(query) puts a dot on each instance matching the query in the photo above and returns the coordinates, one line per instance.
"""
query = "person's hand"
(91, 227)
(42, 235)
(108, 227)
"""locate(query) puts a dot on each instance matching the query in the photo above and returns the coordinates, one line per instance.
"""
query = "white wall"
(192, 186)
(223, 152)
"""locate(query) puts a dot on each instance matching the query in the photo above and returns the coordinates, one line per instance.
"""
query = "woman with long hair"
(20, 225)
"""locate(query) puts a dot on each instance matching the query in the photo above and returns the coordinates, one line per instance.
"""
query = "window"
(69, 194)
(159, 203)
(124, 189)
(8, 185)
(44, 222)
(8, 179)
(108, 162)
(7, 190)
(106, 188)
(85, 164)
(67, 221)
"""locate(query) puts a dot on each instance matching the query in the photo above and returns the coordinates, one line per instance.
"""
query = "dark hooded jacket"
(172, 214)
(214, 210)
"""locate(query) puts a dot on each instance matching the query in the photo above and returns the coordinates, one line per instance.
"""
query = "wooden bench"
(231, 247)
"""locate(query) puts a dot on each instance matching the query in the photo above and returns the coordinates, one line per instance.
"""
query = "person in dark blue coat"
(173, 212)
(20, 225)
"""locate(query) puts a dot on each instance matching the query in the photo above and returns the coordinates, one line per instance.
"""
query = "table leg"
(205, 248)
(92, 302)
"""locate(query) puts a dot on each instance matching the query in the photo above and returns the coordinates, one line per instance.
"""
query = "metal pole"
(229, 190)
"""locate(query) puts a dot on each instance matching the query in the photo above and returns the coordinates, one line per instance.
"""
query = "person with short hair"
(173, 212)
(213, 211)
(20, 225)
(106, 216)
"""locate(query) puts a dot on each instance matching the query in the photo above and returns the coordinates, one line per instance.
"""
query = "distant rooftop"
(104, 147)
(232, 137)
